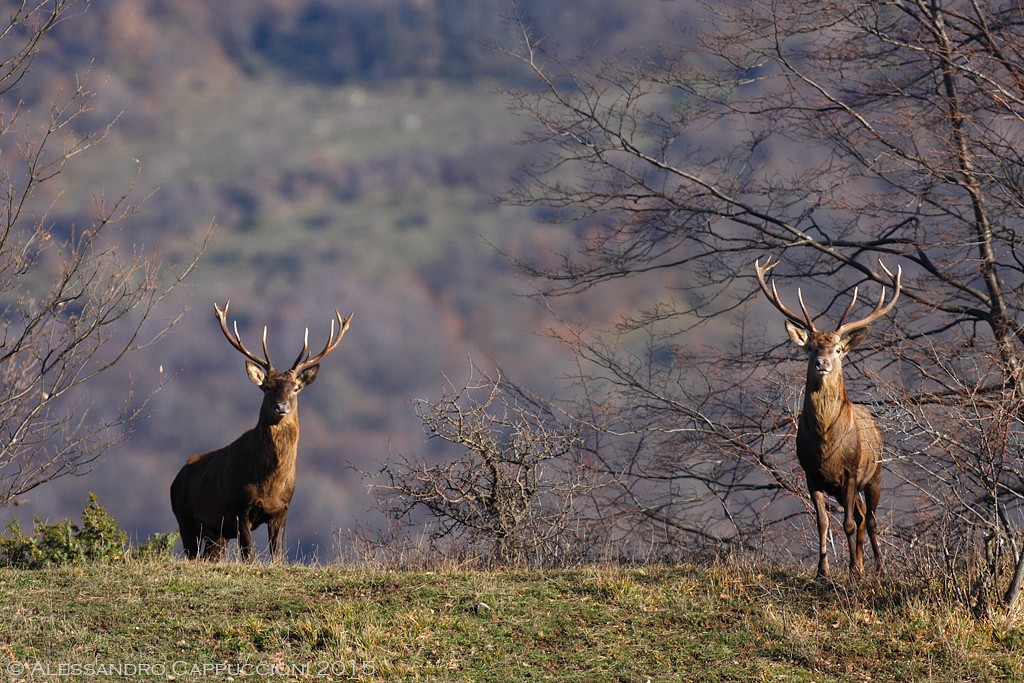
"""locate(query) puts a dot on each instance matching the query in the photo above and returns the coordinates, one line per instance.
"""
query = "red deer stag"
(228, 492)
(838, 444)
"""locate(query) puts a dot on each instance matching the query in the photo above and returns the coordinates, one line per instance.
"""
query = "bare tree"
(74, 300)
(517, 492)
(828, 135)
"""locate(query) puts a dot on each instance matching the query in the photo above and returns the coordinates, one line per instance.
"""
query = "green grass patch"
(687, 623)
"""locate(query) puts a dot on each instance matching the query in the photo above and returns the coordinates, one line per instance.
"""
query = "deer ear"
(797, 334)
(256, 373)
(854, 339)
(307, 376)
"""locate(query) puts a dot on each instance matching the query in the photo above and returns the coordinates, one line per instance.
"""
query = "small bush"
(99, 539)
(157, 546)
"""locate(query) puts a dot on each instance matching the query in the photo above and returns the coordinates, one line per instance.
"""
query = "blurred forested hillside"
(348, 154)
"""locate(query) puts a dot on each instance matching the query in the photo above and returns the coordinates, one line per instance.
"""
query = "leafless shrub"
(960, 463)
(518, 491)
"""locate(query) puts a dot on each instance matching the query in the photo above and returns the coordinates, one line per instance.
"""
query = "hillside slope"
(686, 623)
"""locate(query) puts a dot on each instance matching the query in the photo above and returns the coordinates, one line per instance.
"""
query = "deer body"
(838, 443)
(228, 492)
(839, 447)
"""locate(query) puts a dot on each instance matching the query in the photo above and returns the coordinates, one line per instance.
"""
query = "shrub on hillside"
(99, 539)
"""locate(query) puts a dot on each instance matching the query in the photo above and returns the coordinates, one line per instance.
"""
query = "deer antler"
(236, 340)
(773, 296)
(304, 361)
(879, 311)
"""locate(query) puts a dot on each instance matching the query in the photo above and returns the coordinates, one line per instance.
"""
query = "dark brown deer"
(228, 492)
(838, 444)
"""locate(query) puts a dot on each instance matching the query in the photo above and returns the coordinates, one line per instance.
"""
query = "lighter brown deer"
(226, 493)
(838, 443)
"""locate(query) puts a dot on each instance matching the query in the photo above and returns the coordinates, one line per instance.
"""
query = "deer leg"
(189, 540)
(821, 514)
(872, 494)
(860, 517)
(853, 525)
(275, 534)
(245, 539)
(213, 548)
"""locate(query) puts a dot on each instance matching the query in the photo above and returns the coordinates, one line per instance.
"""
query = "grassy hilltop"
(727, 622)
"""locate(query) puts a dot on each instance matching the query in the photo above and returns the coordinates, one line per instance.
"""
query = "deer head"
(826, 350)
(281, 389)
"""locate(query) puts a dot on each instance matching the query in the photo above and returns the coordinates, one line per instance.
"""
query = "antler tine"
(853, 300)
(881, 308)
(895, 278)
(304, 353)
(236, 340)
(266, 354)
(807, 316)
(329, 347)
(773, 296)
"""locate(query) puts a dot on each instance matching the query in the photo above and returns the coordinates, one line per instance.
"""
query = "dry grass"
(725, 622)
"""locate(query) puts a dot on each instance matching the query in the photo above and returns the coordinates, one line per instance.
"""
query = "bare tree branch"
(74, 300)
(828, 135)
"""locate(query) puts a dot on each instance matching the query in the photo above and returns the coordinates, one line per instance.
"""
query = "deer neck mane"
(825, 400)
(278, 443)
